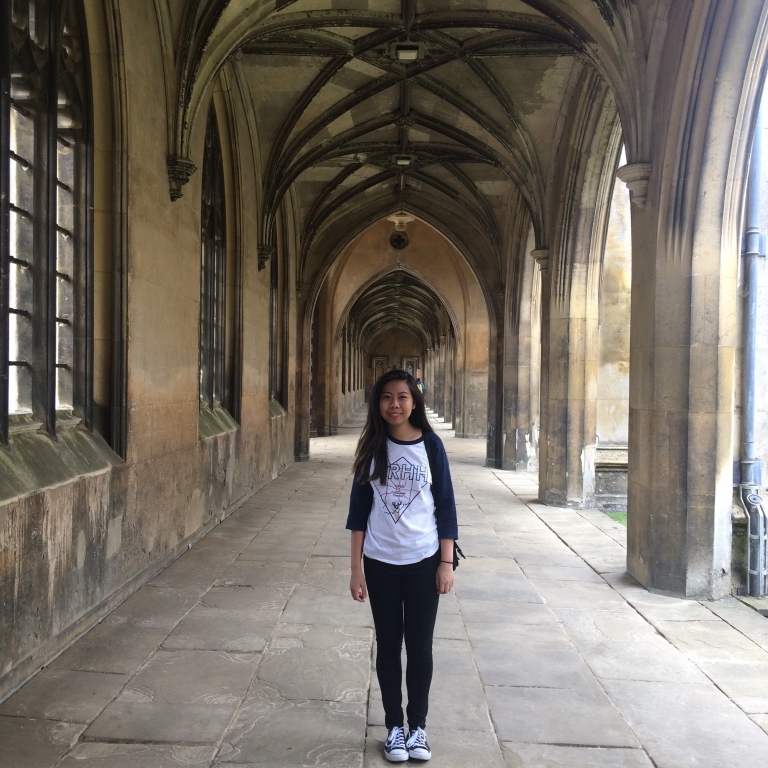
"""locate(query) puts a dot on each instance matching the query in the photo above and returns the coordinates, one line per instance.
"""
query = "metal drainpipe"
(749, 489)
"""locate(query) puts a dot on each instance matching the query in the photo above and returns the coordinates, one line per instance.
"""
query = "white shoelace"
(417, 739)
(396, 740)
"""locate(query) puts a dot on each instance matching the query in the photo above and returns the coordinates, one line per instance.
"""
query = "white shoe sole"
(396, 758)
(420, 756)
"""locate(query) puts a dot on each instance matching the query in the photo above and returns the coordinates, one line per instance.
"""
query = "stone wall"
(80, 526)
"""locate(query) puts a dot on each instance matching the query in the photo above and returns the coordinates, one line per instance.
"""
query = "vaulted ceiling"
(460, 111)
(448, 107)
(399, 300)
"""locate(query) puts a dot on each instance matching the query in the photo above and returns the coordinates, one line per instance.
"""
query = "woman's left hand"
(444, 578)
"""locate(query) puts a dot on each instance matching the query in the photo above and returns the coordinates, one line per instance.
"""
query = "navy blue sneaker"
(394, 748)
(417, 746)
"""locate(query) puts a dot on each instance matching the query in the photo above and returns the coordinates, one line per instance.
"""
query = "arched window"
(213, 285)
(45, 262)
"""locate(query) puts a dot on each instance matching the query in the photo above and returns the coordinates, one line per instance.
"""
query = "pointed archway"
(426, 294)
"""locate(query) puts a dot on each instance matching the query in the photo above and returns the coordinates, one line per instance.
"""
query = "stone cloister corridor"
(248, 651)
(221, 221)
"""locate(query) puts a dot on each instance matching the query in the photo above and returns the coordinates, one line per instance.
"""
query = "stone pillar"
(302, 421)
(457, 417)
(449, 369)
(522, 360)
(494, 430)
(567, 475)
(447, 378)
(686, 206)
(570, 301)
(440, 378)
(327, 377)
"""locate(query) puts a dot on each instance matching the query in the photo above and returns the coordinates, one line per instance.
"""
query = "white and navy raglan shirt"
(405, 519)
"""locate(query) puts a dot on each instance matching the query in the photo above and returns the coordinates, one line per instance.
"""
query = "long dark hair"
(373, 442)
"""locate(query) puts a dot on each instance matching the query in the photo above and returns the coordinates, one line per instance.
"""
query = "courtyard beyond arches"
(248, 651)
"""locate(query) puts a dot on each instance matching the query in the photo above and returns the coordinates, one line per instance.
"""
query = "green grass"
(619, 517)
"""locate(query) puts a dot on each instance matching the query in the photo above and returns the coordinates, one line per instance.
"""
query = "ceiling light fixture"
(403, 159)
(406, 52)
(401, 220)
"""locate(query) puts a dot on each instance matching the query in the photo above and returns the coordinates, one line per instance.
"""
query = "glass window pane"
(21, 296)
(21, 238)
(22, 135)
(20, 378)
(64, 355)
(22, 186)
(65, 253)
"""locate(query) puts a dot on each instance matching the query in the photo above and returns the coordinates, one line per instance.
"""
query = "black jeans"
(404, 605)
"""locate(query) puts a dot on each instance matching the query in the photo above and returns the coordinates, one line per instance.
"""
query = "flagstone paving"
(248, 651)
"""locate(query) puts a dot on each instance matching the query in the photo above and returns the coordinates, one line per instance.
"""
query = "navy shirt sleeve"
(442, 488)
(360, 505)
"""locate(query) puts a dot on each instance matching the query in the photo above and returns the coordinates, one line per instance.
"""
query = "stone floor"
(249, 651)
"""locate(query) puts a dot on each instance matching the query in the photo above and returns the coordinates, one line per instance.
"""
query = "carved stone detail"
(179, 171)
(265, 252)
(541, 256)
(636, 177)
(401, 220)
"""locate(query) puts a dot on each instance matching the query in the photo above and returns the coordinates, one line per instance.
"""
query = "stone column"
(449, 368)
(570, 301)
(447, 378)
(440, 377)
(521, 371)
(457, 417)
(303, 382)
(569, 346)
(567, 475)
(494, 429)
(686, 209)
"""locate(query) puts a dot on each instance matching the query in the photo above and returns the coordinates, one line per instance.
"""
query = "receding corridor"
(247, 650)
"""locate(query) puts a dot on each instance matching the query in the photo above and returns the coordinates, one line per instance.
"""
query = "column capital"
(541, 256)
(179, 171)
(265, 253)
(636, 177)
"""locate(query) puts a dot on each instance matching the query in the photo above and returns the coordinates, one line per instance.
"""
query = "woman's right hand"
(357, 586)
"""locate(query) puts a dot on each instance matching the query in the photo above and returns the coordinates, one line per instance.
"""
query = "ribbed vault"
(399, 300)
(374, 104)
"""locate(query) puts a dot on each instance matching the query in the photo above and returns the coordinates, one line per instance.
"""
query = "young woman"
(402, 515)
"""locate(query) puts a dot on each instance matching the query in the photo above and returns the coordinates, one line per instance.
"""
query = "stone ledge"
(214, 422)
(35, 461)
(276, 410)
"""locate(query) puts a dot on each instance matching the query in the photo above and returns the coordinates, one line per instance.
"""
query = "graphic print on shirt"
(404, 483)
